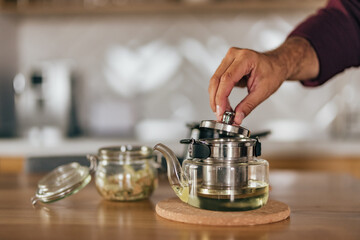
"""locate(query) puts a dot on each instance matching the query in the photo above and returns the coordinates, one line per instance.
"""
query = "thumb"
(221, 109)
(249, 103)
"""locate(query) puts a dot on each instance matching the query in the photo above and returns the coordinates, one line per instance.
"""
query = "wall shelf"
(39, 7)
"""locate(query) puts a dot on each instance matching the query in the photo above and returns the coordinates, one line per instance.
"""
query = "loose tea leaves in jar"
(126, 173)
(129, 185)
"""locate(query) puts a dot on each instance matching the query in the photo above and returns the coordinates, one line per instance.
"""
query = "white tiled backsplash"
(151, 71)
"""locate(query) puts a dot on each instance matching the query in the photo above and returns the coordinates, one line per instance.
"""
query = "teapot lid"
(226, 126)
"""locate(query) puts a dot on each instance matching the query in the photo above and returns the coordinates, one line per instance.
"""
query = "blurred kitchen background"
(76, 75)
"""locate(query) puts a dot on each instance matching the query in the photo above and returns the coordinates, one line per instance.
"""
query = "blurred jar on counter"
(125, 173)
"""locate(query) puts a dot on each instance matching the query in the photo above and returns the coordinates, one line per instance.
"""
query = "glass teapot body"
(222, 172)
(228, 177)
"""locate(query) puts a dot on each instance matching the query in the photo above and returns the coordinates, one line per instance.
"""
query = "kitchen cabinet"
(151, 6)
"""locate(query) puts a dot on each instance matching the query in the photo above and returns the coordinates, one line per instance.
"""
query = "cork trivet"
(174, 209)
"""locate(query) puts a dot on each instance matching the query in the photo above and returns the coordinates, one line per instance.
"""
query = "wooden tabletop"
(324, 206)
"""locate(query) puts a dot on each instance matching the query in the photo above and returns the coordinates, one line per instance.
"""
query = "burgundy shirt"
(334, 33)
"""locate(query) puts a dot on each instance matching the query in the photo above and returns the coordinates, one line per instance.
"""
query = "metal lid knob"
(228, 117)
(226, 126)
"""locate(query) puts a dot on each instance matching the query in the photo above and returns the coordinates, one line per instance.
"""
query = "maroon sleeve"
(334, 33)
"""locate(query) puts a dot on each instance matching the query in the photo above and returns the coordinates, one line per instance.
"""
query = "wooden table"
(324, 206)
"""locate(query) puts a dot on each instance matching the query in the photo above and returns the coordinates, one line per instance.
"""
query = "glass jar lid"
(63, 181)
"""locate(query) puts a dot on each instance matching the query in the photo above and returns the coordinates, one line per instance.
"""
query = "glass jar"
(125, 173)
(122, 173)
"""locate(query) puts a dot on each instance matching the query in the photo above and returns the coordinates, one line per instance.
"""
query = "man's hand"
(261, 73)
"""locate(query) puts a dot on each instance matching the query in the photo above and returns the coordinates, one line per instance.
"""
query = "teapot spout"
(177, 179)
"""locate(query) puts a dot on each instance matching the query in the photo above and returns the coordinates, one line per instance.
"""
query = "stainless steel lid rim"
(226, 128)
(220, 149)
(229, 141)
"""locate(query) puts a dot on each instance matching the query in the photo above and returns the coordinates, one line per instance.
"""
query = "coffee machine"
(43, 101)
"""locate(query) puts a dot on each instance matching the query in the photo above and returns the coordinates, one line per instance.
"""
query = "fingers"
(243, 67)
(243, 82)
(215, 79)
(249, 103)
(221, 109)
(236, 71)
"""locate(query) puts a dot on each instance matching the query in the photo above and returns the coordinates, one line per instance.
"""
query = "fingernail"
(218, 114)
(239, 117)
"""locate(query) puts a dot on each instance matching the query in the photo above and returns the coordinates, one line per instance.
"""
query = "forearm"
(297, 59)
(334, 33)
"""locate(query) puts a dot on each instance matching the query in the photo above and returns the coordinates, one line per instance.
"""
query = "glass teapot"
(222, 173)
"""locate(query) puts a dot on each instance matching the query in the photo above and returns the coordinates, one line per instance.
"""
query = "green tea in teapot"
(249, 198)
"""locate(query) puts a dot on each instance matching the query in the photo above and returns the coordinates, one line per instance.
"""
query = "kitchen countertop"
(323, 206)
(82, 146)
